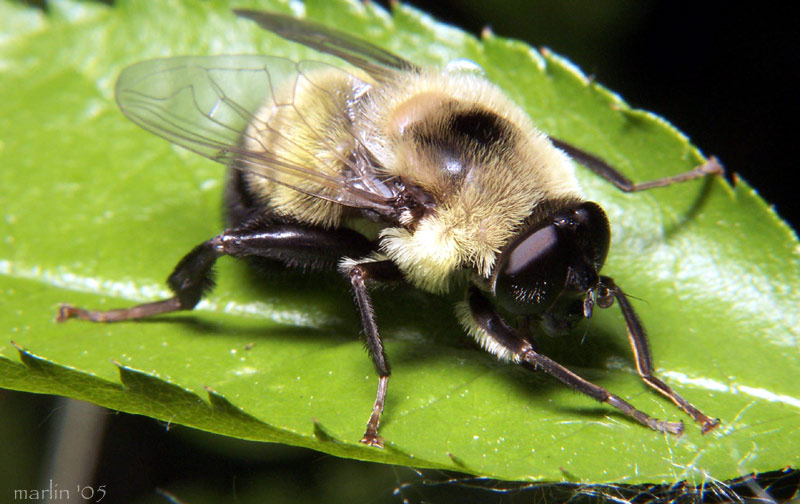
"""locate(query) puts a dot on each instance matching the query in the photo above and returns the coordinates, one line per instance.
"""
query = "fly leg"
(359, 273)
(292, 244)
(497, 337)
(644, 359)
(608, 172)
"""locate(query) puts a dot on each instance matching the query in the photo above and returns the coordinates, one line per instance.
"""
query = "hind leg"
(291, 244)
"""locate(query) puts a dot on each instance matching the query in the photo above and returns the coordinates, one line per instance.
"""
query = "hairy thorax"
(453, 137)
(477, 154)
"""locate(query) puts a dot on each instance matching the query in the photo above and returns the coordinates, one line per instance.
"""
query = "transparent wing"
(378, 62)
(205, 104)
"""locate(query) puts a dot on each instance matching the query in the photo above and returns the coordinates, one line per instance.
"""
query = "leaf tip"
(321, 434)
(457, 460)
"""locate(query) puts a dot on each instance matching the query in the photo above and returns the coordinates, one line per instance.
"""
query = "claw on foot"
(675, 428)
(372, 439)
(710, 426)
(66, 311)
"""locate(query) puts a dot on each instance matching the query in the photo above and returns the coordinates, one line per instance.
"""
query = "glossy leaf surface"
(97, 212)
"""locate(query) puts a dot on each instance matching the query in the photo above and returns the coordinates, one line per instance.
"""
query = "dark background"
(721, 72)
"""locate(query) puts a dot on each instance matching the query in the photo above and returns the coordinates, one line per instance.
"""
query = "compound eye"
(533, 271)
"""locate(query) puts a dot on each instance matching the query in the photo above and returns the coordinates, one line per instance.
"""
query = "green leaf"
(97, 212)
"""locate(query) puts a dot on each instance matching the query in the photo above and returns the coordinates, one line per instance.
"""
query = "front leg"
(644, 360)
(492, 332)
(359, 273)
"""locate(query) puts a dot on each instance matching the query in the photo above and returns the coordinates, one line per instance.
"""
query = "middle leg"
(359, 274)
